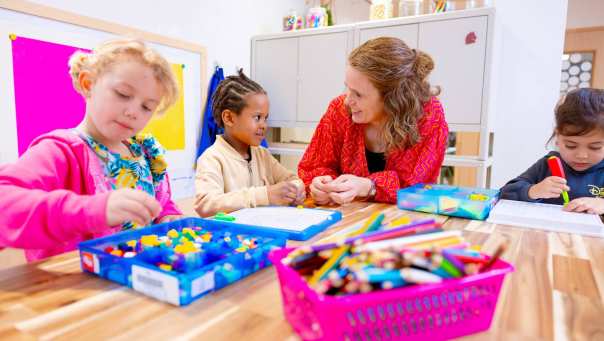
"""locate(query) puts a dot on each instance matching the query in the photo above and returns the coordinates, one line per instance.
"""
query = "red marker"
(555, 166)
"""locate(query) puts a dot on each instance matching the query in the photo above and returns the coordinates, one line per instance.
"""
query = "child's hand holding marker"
(550, 187)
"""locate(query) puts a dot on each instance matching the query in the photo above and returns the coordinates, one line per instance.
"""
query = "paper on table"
(545, 217)
(286, 218)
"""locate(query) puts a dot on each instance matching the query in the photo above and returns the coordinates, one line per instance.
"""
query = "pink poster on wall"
(44, 96)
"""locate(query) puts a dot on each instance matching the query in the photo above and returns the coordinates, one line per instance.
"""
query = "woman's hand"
(347, 187)
(587, 205)
(127, 204)
(319, 189)
(550, 187)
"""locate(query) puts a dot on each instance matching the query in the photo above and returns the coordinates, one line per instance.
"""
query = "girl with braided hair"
(236, 172)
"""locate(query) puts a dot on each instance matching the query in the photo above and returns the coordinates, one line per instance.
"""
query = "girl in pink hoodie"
(102, 176)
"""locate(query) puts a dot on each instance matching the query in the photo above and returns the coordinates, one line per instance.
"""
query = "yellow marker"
(12, 36)
(404, 220)
(300, 206)
(371, 224)
(454, 240)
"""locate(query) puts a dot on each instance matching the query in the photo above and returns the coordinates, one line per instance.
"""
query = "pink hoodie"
(55, 196)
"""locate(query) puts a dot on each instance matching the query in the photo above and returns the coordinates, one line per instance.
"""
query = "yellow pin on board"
(12, 36)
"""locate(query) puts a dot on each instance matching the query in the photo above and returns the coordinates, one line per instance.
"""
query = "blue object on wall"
(210, 129)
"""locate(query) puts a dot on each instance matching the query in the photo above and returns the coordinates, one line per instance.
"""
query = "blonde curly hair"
(400, 75)
(101, 58)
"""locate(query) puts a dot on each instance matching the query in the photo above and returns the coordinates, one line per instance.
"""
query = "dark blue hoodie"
(587, 183)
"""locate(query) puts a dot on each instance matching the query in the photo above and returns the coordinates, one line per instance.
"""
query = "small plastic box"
(464, 202)
(178, 288)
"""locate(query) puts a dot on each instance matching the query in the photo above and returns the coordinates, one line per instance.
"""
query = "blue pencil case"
(180, 261)
(464, 202)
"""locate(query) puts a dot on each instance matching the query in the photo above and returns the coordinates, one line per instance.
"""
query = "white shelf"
(281, 148)
(297, 149)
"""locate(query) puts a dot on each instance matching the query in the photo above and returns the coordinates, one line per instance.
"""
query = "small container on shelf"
(316, 17)
(408, 8)
(437, 6)
(380, 9)
(293, 21)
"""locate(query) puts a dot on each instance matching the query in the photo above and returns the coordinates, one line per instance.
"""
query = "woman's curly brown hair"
(400, 75)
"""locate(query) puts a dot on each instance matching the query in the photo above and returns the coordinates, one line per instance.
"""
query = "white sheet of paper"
(545, 217)
(287, 218)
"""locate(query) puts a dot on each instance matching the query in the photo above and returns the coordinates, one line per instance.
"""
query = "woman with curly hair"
(388, 131)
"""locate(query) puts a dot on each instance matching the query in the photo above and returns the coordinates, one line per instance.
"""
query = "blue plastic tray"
(178, 288)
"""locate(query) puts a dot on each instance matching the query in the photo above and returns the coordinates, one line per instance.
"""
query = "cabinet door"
(322, 66)
(458, 48)
(407, 33)
(275, 67)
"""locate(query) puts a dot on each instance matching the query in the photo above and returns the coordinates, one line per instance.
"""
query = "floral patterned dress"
(144, 170)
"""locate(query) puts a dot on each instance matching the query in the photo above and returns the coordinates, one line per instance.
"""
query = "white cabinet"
(406, 33)
(458, 48)
(278, 75)
(301, 72)
(321, 69)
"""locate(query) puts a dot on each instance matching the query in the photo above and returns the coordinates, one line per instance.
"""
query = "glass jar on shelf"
(316, 17)
(380, 9)
(292, 21)
(408, 8)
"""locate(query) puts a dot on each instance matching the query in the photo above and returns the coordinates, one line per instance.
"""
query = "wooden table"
(556, 292)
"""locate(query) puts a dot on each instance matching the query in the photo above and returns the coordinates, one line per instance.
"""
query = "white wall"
(526, 80)
(585, 13)
(224, 27)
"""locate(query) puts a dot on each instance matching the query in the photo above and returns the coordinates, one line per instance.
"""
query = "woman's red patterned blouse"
(338, 147)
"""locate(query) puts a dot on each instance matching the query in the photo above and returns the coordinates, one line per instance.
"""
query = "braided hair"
(231, 95)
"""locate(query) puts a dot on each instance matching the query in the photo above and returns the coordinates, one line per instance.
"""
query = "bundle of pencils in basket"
(376, 257)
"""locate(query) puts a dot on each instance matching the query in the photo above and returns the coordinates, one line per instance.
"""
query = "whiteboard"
(180, 162)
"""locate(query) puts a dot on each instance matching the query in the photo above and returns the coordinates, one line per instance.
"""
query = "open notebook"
(545, 217)
(297, 223)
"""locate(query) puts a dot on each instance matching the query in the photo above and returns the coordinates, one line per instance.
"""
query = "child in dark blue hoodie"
(579, 136)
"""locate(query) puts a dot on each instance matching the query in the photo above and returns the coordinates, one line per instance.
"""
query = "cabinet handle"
(471, 38)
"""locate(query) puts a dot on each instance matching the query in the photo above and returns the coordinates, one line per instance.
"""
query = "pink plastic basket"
(446, 310)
